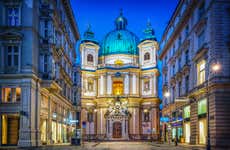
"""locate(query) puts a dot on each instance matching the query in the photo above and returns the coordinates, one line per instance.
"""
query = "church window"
(90, 58)
(147, 56)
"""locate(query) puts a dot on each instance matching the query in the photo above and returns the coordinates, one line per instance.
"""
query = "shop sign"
(164, 119)
(176, 124)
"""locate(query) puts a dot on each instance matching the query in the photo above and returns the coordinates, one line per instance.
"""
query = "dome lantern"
(89, 35)
(121, 22)
(149, 32)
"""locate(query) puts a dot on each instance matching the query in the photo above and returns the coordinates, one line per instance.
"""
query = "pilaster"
(49, 123)
(193, 123)
(0, 130)
(29, 133)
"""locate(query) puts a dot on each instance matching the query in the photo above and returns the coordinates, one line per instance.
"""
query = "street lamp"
(167, 94)
(214, 67)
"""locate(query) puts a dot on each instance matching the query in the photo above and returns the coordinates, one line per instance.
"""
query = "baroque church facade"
(119, 78)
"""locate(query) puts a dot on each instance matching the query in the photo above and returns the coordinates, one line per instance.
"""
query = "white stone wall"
(86, 49)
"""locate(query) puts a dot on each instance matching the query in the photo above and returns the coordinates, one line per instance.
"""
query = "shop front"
(177, 126)
(176, 130)
(54, 132)
(187, 133)
(10, 129)
(202, 120)
(186, 125)
(43, 129)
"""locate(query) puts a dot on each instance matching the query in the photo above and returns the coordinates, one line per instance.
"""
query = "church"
(119, 84)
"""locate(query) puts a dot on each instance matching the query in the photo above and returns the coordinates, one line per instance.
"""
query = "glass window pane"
(9, 49)
(16, 11)
(202, 106)
(187, 112)
(9, 20)
(9, 60)
(18, 94)
(6, 94)
(15, 49)
(15, 60)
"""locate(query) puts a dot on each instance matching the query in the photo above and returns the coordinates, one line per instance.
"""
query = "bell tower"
(89, 51)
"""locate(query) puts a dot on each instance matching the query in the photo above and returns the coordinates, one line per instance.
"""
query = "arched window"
(147, 56)
(90, 58)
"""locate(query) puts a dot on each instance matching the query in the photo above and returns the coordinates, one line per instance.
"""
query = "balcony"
(186, 69)
(165, 69)
(202, 50)
(173, 80)
(165, 86)
(178, 76)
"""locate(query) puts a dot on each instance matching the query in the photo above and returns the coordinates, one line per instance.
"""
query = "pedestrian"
(175, 141)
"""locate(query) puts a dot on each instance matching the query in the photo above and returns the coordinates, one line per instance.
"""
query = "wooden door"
(117, 130)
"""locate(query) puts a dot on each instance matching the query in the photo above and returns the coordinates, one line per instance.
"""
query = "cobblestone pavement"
(114, 146)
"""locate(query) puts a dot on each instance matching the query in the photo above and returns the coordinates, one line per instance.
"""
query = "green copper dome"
(120, 40)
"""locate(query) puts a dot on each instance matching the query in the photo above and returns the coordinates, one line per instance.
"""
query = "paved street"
(117, 146)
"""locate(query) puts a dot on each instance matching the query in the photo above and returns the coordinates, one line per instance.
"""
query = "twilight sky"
(102, 13)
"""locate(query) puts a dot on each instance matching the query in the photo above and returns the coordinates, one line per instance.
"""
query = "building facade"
(119, 84)
(196, 77)
(37, 43)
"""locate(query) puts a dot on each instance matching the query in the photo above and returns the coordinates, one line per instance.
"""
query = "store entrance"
(10, 129)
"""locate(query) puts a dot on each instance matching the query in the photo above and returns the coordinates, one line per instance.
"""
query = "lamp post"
(167, 94)
(214, 67)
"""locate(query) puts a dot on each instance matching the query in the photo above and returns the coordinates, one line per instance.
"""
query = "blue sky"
(100, 14)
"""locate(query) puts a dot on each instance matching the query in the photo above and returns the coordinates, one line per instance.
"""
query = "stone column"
(134, 121)
(126, 83)
(134, 81)
(101, 87)
(101, 121)
(95, 86)
(49, 123)
(109, 84)
(154, 85)
(82, 58)
(29, 133)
